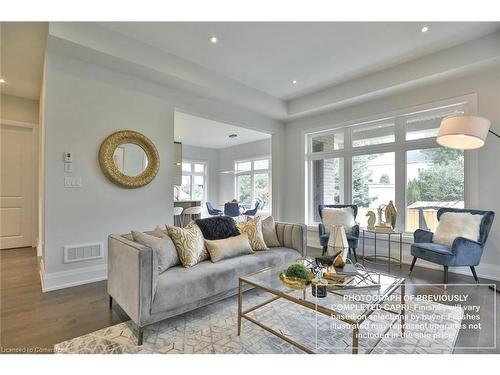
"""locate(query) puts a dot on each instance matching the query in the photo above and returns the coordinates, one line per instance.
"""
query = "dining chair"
(213, 211)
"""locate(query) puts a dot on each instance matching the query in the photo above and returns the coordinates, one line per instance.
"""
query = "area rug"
(212, 329)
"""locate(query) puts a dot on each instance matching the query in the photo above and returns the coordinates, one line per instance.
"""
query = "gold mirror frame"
(109, 168)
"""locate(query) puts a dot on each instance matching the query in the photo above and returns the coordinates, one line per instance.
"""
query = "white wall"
(81, 111)
(227, 157)
(485, 83)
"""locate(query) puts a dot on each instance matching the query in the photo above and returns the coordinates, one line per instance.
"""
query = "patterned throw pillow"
(189, 243)
(253, 228)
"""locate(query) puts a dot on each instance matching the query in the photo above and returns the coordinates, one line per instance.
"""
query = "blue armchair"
(352, 238)
(463, 252)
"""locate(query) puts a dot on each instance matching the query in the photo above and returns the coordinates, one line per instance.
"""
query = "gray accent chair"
(463, 252)
(148, 297)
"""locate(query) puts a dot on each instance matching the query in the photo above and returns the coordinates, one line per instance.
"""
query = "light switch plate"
(72, 182)
(68, 167)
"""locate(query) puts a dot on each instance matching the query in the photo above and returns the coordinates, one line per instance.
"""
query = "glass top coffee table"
(351, 303)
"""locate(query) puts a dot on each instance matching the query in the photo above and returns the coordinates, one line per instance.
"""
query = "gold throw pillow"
(189, 243)
(253, 228)
(228, 247)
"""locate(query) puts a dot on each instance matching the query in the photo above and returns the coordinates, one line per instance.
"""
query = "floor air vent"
(77, 253)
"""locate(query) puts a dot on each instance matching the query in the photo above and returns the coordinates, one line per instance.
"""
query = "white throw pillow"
(457, 224)
(338, 216)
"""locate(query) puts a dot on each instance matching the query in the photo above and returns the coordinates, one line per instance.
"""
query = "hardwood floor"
(32, 321)
(35, 321)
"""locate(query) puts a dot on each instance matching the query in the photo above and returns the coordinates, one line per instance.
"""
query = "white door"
(16, 186)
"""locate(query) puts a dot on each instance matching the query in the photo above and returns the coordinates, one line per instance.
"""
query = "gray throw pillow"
(269, 232)
(163, 247)
(228, 247)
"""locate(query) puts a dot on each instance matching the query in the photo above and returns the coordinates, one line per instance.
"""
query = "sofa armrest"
(132, 276)
(293, 236)
(422, 236)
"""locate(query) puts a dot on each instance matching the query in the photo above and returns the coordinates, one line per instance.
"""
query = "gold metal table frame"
(399, 283)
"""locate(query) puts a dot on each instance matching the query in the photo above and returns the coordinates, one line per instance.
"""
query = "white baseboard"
(78, 276)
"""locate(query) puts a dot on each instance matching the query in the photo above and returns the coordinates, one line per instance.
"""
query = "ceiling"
(201, 132)
(22, 53)
(268, 56)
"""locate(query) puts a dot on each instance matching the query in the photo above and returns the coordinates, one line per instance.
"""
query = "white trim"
(19, 124)
(74, 277)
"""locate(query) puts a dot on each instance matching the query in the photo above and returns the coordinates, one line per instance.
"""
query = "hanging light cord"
(492, 132)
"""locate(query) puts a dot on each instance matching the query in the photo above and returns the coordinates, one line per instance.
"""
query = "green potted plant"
(296, 276)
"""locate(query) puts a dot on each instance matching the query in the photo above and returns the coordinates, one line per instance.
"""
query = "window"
(372, 183)
(325, 142)
(327, 182)
(253, 183)
(426, 125)
(434, 179)
(392, 158)
(194, 180)
(373, 134)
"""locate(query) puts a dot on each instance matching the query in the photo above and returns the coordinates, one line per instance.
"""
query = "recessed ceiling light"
(294, 82)
(213, 39)
(233, 135)
(424, 29)
(2, 80)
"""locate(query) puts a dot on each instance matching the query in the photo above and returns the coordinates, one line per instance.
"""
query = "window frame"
(400, 147)
(192, 174)
(252, 172)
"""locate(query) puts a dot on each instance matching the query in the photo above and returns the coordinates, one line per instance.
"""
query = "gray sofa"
(147, 297)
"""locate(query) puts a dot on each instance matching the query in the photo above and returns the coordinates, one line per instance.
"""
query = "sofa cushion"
(181, 286)
(189, 243)
(253, 227)
(269, 232)
(162, 246)
(457, 224)
(228, 247)
(218, 228)
(433, 252)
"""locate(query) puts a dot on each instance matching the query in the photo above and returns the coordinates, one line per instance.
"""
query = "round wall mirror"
(129, 159)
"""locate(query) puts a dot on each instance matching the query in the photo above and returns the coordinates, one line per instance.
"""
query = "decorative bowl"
(295, 282)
